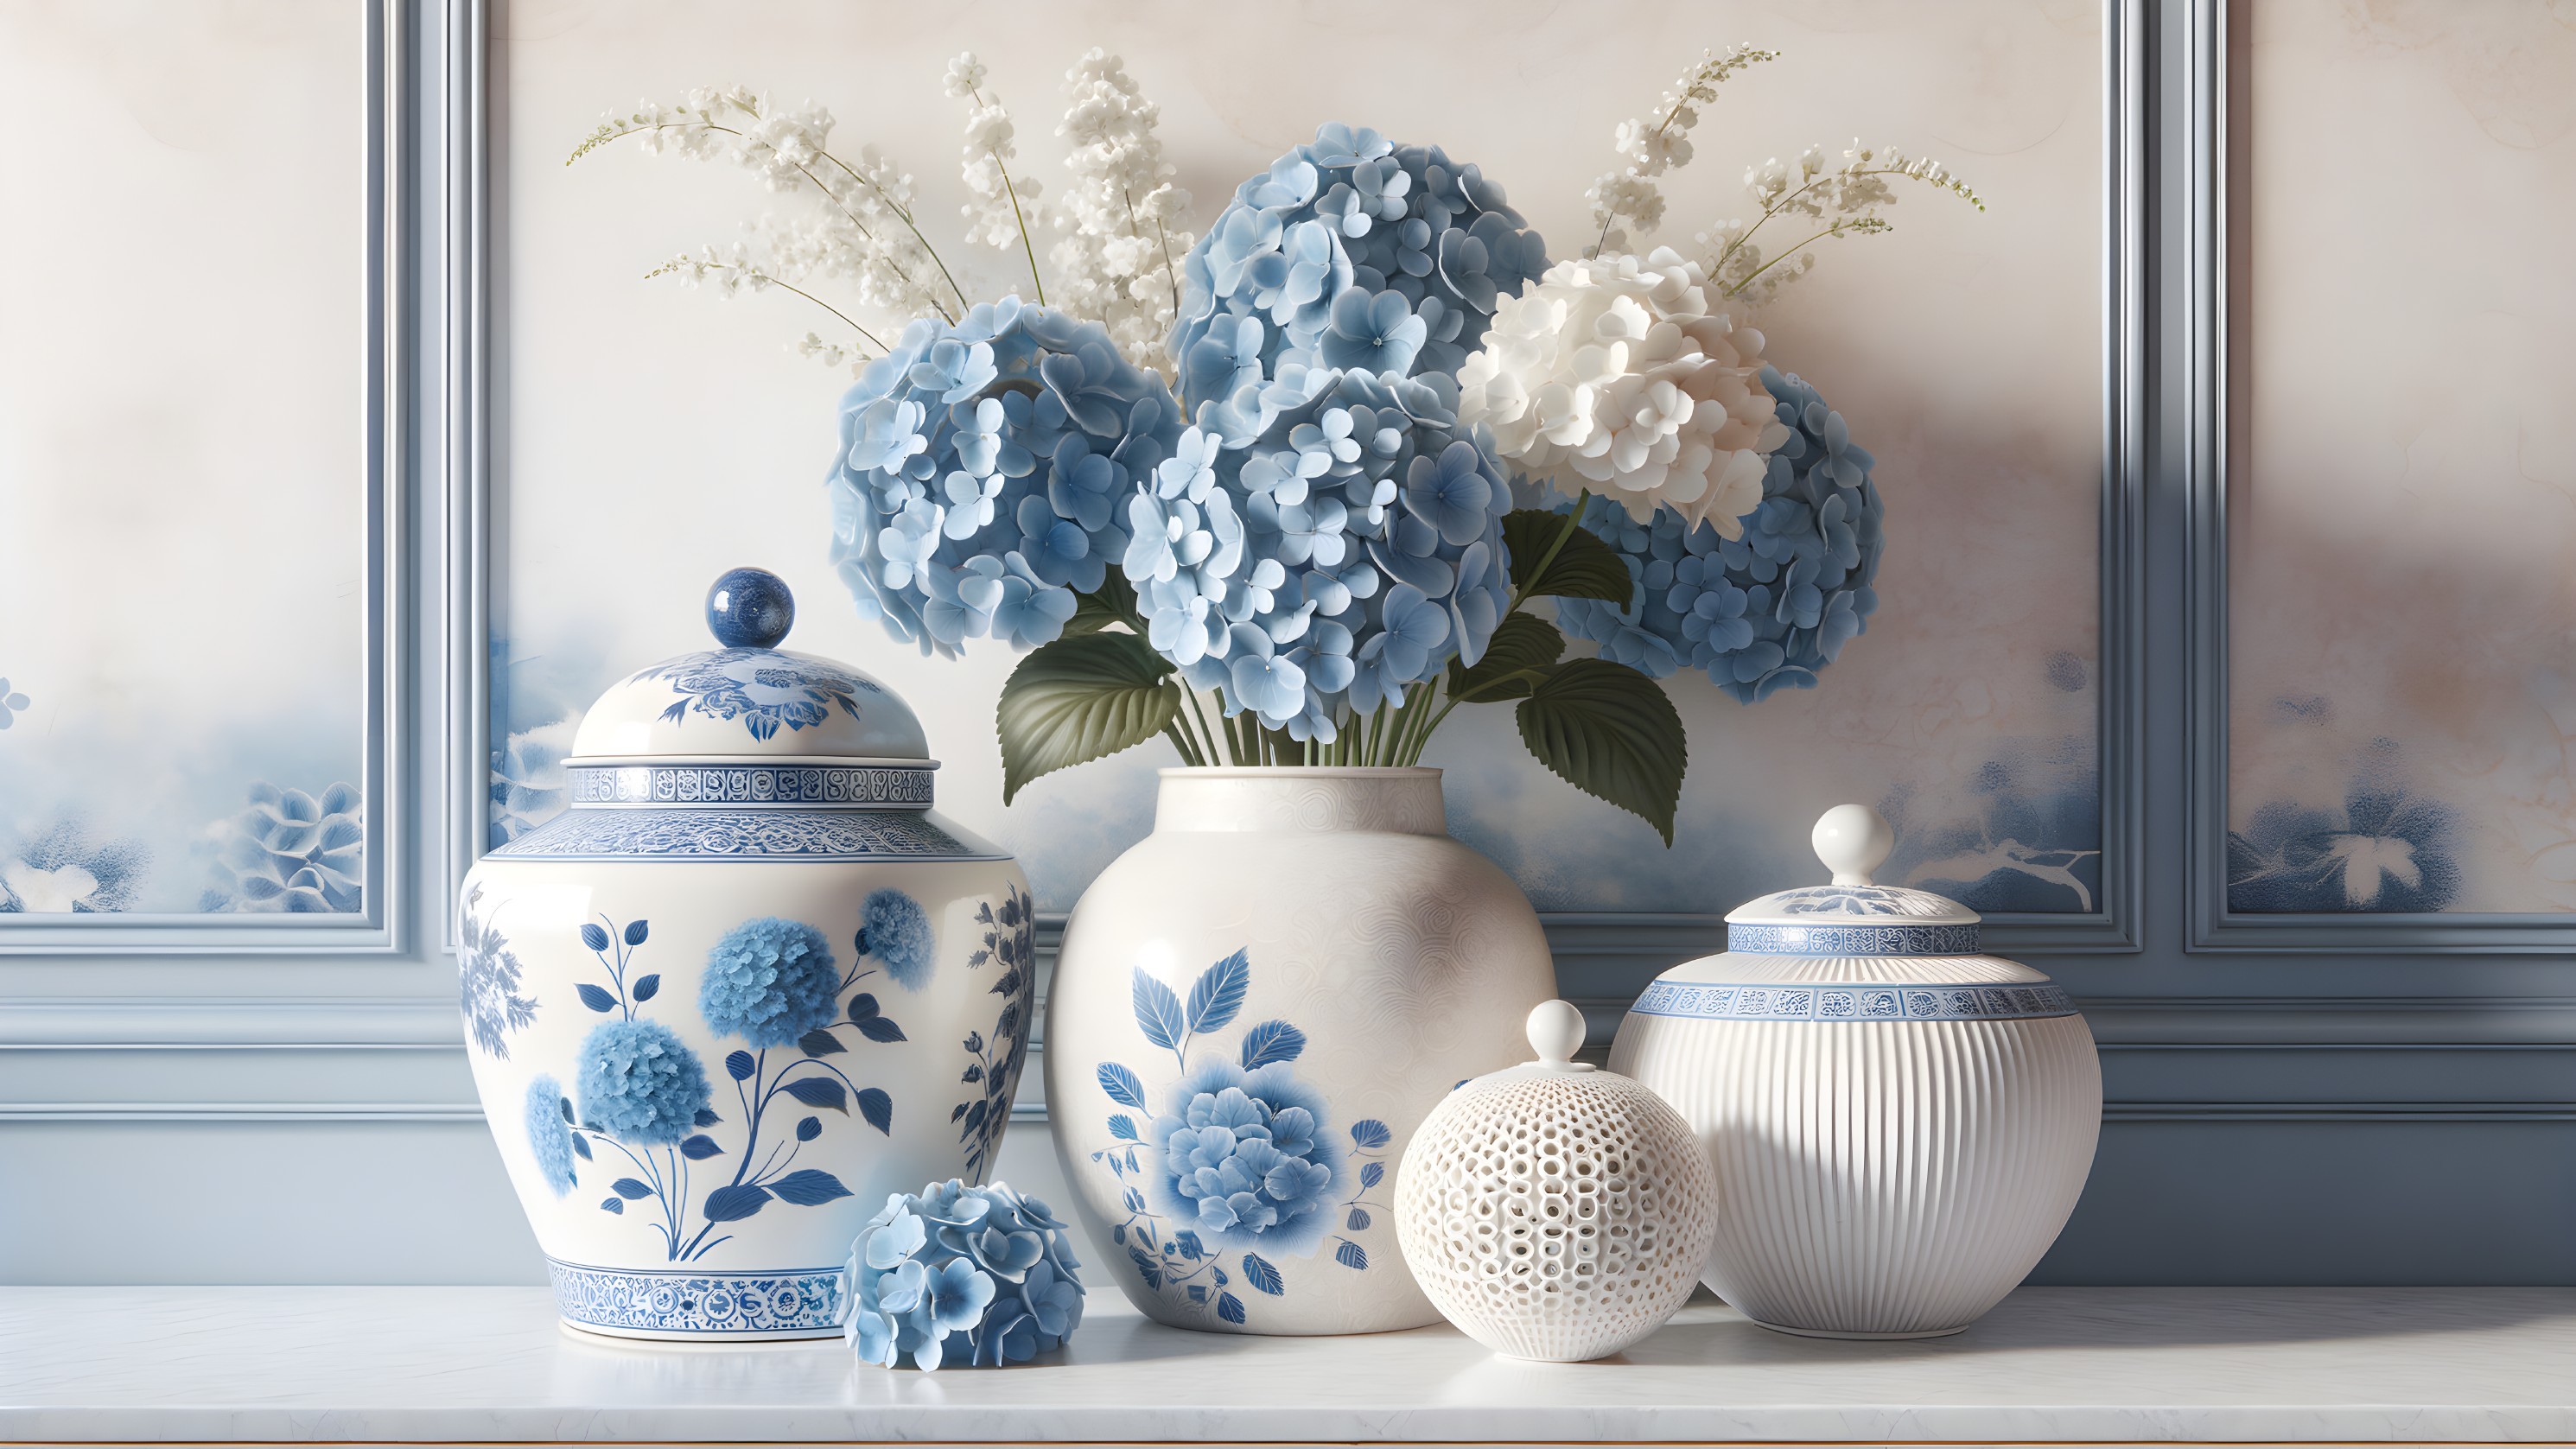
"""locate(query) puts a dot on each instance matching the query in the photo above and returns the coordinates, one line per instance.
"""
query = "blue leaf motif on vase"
(764, 688)
(489, 978)
(1244, 1162)
(993, 1063)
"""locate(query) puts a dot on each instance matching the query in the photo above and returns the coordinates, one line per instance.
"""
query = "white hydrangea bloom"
(1119, 259)
(1633, 378)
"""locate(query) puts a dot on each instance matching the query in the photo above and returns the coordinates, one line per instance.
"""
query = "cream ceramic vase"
(1899, 1124)
(1253, 1010)
(745, 987)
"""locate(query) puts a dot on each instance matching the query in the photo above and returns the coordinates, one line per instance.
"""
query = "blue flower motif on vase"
(2385, 850)
(642, 1094)
(68, 870)
(993, 1063)
(896, 930)
(769, 981)
(11, 703)
(1242, 1164)
(488, 975)
(763, 688)
(291, 851)
(549, 1119)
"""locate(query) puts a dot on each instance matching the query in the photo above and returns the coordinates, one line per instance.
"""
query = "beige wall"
(655, 436)
(2402, 470)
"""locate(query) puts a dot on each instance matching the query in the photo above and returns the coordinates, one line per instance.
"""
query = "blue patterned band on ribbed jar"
(856, 787)
(1868, 1001)
(700, 1303)
(1876, 940)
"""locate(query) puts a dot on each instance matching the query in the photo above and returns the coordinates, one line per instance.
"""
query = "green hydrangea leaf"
(1524, 645)
(1610, 732)
(1584, 567)
(1079, 699)
(1114, 602)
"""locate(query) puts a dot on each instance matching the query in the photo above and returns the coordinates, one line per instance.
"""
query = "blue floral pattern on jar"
(1242, 1164)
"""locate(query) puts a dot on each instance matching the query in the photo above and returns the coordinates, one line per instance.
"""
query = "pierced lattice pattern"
(1556, 1215)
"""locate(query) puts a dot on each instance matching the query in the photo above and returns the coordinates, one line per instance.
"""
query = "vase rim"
(1299, 772)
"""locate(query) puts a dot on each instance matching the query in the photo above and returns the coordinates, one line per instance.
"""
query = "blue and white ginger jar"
(1900, 1124)
(745, 987)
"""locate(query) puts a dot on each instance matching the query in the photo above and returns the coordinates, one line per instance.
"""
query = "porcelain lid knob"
(750, 609)
(1853, 841)
(1556, 1034)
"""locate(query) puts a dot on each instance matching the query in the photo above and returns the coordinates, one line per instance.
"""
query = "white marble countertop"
(2052, 1365)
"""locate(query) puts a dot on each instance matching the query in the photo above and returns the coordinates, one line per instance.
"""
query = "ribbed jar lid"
(1854, 916)
(748, 699)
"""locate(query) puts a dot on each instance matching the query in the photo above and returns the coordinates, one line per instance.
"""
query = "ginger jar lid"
(748, 699)
(1852, 951)
(1853, 916)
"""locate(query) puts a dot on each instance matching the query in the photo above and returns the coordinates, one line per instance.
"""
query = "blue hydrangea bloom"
(1245, 1159)
(638, 1081)
(550, 1133)
(896, 930)
(983, 470)
(769, 981)
(979, 1275)
(1350, 252)
(1322, 541)
(1765, 611)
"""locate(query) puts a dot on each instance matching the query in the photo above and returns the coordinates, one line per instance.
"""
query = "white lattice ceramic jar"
(745, 987)
(1552, 1210)
(1899, 1124)
(1253, 1009)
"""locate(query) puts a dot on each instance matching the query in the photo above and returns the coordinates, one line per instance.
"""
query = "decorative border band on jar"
(700, 1303)
(1892, 940)
(1867, 1001)
(864, 787)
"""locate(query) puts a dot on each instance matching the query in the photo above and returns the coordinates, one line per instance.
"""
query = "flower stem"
(1014, 193)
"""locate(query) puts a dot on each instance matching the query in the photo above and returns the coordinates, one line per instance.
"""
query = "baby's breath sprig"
(994, 216)
(863, 231)
(1841, 201)
(734, 272)
(1627, 202)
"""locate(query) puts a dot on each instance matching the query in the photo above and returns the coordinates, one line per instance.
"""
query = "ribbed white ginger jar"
(745, 987)
(1553, 1210)
(1899, 1124)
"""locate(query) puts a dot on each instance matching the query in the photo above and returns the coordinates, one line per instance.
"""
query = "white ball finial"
(1556, 1032)
(1853, 841)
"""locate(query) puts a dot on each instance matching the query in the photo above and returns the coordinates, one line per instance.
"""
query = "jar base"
(1846, 1333)
(666, 1339)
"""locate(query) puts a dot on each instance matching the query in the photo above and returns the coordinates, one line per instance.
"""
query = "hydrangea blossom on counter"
(958, 1274)
(984, 470)
(1351, 251)
(1770, 607)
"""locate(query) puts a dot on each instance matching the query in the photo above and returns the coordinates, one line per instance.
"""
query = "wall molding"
(2212, 925)
(390, 735)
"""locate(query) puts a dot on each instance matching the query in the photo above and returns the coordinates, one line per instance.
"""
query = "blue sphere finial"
(750, 609)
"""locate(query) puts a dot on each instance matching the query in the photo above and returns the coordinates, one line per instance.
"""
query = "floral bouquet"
(978, 1275)
(1290, 492)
